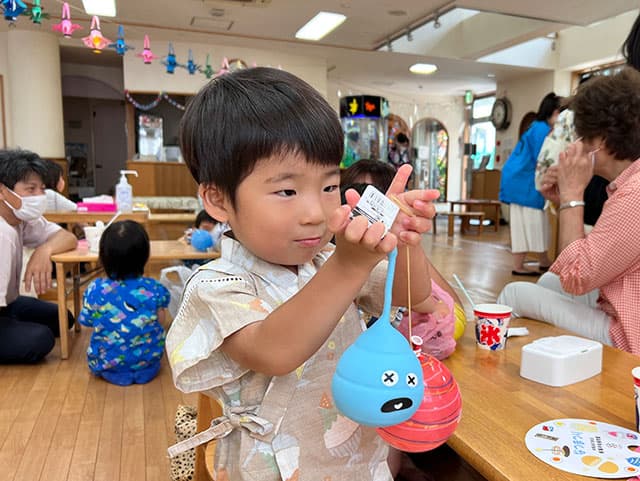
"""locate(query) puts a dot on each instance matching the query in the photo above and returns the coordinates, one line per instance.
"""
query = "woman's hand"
(549, 188)
(574, 171)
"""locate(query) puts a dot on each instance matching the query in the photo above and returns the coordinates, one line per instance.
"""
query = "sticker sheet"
(588, 448)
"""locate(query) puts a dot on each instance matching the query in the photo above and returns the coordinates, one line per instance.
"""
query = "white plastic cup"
(635, 372)
(93, 234)
(492, 324)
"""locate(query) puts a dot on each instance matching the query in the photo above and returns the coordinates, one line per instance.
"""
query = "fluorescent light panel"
(102, 8)
(423, 68)
(320, 25)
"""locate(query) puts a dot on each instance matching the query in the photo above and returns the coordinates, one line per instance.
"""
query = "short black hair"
(124, 250)
(242, 117)
(609, 107)
(631, 45)
(550, 103)
(381, 173)
(402, 138)
(17, 165)
(54, 173)
(203, 216)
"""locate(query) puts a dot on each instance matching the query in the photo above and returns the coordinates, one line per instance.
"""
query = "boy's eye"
(331, 188)
(286, 192)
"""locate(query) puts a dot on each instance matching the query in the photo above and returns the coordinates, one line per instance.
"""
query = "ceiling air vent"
(210, 23)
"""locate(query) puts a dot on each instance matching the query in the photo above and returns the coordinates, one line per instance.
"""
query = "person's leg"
(537, 302)
(34, 310)
(552, 281)
(519, 244)
(23, 342)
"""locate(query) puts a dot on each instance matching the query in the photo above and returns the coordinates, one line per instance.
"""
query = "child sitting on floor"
(125, 309)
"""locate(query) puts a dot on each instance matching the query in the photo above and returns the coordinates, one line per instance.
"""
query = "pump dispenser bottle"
(124, 192)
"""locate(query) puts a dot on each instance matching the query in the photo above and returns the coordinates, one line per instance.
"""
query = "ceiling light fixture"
(436, 22)
(423, 68)
(102, 8)
(409, 35)
(320, 25)
(389, 45)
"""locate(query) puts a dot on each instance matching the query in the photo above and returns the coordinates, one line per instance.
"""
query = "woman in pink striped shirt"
(593, 287)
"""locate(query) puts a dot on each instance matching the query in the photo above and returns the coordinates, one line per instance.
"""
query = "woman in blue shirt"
(527, 219)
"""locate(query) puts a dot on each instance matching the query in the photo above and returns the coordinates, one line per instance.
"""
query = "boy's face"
(282, 209)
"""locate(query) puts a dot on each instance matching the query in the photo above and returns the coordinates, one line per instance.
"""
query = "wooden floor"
(58, 422)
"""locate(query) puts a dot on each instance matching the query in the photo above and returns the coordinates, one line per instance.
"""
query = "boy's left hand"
(408, 229)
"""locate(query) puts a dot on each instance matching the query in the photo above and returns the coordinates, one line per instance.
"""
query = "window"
(483, 133)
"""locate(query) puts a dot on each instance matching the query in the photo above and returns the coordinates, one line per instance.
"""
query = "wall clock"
(501, 113)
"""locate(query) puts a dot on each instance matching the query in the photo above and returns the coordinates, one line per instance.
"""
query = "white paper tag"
(376, 207)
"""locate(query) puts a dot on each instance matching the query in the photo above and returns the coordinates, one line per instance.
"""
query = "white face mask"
(33, 206)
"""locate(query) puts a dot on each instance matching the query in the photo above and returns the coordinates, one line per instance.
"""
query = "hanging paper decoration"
(95, 40)
(224, 67)
(120, 46)
(66, 27)
(12, 9)
(170, 60)
(191, 64)
(35, 13)
(208, 69)
(147, 55)
(173, 102)
(151, 105)
(154, 103)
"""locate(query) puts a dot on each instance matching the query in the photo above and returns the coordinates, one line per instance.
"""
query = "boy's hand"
(409, 229)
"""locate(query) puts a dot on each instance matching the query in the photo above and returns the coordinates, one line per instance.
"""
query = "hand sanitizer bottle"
(124, 192)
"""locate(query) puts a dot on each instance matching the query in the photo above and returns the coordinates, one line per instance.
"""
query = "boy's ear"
(215, 202)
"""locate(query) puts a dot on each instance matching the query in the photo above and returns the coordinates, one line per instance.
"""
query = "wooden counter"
(161, 179)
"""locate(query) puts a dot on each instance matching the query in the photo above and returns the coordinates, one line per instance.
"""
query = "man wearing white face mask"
(28, 326)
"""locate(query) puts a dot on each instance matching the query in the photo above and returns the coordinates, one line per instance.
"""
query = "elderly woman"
(593, 288)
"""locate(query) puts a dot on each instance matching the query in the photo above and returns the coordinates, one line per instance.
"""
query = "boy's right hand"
(357, 244)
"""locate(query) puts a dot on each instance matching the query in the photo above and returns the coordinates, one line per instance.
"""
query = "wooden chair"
(208, 409)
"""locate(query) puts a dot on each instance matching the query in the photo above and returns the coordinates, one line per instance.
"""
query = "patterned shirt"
(307, 438)
(608, 258)
(124, 314)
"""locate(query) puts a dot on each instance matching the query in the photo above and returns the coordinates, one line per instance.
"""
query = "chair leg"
(450, 226)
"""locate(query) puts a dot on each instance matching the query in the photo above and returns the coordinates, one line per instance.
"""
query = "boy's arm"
(290, 334)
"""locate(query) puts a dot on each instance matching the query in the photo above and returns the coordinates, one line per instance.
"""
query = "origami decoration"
(170, 60)
(96, 40)
(66, 26)
(12, 9)
(208, 69)
(120, 46)
(147, 55)
(191, 65)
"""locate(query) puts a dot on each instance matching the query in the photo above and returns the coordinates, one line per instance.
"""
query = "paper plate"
(588, 448)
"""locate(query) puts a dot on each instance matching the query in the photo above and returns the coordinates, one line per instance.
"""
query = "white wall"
(112, 76)
(153, 78)
(7, 88)
(525, 94)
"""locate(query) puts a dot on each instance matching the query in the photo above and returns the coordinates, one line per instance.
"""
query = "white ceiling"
(350, 50)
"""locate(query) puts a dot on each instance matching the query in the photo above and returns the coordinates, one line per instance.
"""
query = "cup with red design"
(635, 372)
(492, 324)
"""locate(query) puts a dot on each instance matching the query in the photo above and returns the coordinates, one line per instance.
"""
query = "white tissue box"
(561, 360)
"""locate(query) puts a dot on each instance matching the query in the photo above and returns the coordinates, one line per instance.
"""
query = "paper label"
(376, 207)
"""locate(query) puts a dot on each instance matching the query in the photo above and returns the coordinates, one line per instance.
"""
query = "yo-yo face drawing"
(378, 381)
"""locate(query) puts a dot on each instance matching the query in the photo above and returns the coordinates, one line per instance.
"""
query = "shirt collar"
(627, 173)
(235, 253)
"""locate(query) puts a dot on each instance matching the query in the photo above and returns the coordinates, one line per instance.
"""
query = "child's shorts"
(126, 378)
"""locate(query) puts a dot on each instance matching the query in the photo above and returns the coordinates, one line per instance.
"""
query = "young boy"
(262, 328)
(27, 325)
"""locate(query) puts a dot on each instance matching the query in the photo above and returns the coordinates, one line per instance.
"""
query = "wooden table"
(474, 204)
(160, 251)
(499, 406)
(71, 217)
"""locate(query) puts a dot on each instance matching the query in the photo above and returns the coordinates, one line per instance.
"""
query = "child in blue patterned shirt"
(125, 309)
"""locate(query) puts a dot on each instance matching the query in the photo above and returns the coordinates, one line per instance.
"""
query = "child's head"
(265, 148)
(375, 172)
(55, 178)
(241, 118)
(22, 171)
(204, 221)
(124, 250)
